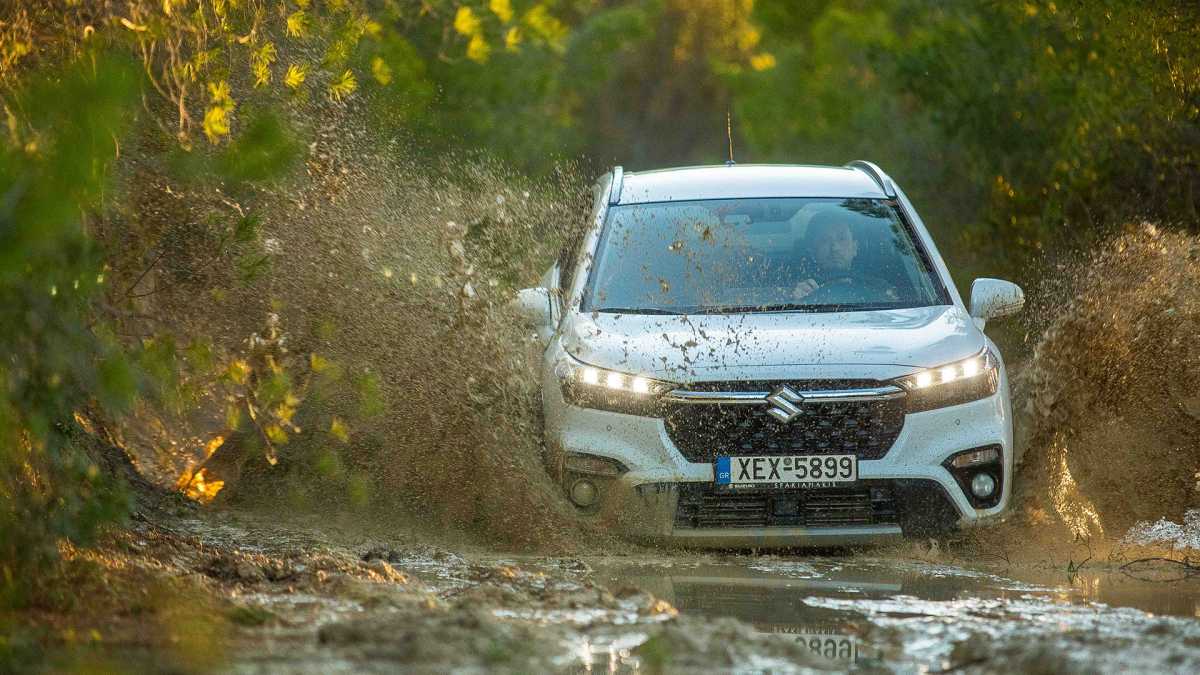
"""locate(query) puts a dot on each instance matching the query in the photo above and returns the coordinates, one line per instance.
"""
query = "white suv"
(770, 356)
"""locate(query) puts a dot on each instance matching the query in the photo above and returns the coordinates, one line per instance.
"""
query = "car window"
(568, 256)
(760, 255)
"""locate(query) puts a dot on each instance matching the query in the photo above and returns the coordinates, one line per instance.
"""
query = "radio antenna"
(729, 134)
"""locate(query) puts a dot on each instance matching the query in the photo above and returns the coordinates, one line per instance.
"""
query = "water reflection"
(848, 610)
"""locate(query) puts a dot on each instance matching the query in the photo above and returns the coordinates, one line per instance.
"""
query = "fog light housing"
(983, 485)
(979, 473)
(979, 457)
(594, 465)
(583, 493)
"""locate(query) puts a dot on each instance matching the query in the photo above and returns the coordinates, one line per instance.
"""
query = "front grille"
(702, 432)
(918, 506)
(703, 505)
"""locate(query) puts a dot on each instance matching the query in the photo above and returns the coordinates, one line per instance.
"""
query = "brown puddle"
(904, 615)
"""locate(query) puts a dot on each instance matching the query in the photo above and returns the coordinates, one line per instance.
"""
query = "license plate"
(836, 648)
(787, 470)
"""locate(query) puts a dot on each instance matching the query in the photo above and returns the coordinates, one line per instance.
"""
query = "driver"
(830, 247)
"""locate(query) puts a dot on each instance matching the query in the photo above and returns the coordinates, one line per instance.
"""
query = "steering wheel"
(849, 289)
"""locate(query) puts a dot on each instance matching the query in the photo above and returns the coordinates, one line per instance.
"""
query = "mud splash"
(367, 298)
(1113, 400)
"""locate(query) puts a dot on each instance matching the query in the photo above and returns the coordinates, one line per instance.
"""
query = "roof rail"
(614, 194)
(876, 174)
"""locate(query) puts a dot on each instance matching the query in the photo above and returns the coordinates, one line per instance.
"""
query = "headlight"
(960, 382)
(591, 387)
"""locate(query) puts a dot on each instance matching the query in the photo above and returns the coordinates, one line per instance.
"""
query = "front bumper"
(785, 537)
(644, 501)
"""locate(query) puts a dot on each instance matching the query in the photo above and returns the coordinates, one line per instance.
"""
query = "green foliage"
(54, 364)
(265, 150)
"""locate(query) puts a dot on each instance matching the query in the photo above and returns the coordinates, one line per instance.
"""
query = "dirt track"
(311, 597)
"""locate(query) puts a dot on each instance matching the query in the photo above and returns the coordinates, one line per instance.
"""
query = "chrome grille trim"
(884, 393)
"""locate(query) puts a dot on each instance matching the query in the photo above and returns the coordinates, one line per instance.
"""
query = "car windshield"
(759, 255)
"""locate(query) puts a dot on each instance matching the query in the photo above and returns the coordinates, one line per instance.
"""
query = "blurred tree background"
(155, 153)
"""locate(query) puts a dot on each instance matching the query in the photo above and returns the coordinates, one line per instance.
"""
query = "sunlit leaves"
(502, 9)
(260, 63)
(338, 429)
(296, 74)
(512, 39)
(543, 24)
(318, 363)
(238, 371)
(198, 486)
(478, 49)
(217, 117)
(298, 24)
(466, 23)
(342, 86)
(762, 61)
(276, 434)
(381, 71)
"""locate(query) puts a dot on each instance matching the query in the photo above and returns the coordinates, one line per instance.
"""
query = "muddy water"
(910, 616)
(333, 599)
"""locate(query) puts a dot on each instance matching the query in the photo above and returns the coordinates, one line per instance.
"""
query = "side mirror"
(533, 305)
(994, 298)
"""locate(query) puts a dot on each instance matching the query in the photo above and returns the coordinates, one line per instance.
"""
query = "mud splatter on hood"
(887, 343)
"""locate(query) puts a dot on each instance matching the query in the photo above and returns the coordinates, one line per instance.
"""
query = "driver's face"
(834, 248)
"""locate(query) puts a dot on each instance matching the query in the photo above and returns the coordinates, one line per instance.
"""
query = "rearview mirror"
(533, 305)
(994, 298)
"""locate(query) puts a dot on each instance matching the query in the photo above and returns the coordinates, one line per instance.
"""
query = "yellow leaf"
(545, 25)
(465, 22)
(763, 61)
(213, 445)
(297, 24)
(219, 93)
(276, 434)
(478, 50)
(512, 39)
(216, 123)
(318, 363)
(502, 9)
(284, 413)
(295, 76)
(381, 71)
(262, 73)
(197, 486)
(339, 430)
(238, 371)
(343, 86)
(135, 27)
(267, 53)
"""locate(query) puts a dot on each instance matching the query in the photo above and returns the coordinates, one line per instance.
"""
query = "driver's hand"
(803, 288)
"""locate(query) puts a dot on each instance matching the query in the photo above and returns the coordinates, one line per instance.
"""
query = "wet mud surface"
(314, 598)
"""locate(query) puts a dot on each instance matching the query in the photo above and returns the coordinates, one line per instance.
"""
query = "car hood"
(870, 344)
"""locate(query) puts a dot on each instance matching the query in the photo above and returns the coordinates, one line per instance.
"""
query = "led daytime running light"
(614, 381)
(960, 370)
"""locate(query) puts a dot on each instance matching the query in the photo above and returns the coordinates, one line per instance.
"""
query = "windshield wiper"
(637, 310)
(797, 307)
(788, 307)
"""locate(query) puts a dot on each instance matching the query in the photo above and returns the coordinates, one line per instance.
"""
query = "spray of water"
(1113, 389)
(372, 293)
